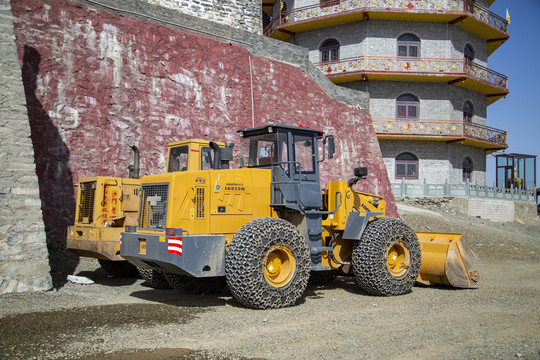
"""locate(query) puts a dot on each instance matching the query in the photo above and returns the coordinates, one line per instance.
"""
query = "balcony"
(464, 13)
(451, 131)
(453, 71)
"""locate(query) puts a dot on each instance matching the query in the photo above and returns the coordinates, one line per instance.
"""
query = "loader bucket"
(444, 261)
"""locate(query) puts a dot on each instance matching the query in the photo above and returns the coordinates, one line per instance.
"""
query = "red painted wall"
(97, 83)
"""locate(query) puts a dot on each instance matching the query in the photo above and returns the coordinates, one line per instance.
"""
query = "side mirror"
(331, 146)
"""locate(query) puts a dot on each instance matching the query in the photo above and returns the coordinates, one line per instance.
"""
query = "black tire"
(386, 260)
(267, 264)
(193, 285)
(154, 278)
(320, 278)
(121, 268)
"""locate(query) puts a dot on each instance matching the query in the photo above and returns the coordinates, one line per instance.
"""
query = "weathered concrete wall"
(99, 80)
(24, 264)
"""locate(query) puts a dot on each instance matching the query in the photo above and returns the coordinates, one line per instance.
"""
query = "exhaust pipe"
(217, 155)
(222, 156)
(134, 169)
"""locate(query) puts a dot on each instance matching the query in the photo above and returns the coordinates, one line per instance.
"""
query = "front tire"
(386, 260)
(268, 263)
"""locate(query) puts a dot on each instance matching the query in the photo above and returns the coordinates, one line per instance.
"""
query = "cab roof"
(274, 128)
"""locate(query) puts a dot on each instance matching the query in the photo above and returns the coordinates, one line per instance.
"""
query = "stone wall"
(494, 210)
(243, 14)
(24, 264)
(99, 80)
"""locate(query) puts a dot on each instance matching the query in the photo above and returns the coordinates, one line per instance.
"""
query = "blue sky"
(519, 59)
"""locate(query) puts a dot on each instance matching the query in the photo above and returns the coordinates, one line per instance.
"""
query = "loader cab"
(292, 154)
(192, 155)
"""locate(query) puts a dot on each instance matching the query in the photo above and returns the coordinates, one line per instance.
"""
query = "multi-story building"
(424, 65)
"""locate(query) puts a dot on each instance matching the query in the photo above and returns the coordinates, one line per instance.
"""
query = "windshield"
(178, 159)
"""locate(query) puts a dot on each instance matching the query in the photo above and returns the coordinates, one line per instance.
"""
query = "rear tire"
(121, 268)
(267, 264)
(193, 285)
(386, 260)
(154, 278)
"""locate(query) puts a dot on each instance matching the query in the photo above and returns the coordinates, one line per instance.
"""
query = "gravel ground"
(125, 319)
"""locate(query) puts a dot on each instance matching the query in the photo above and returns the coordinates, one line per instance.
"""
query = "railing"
(430, 127)
(486, 75)
(462, 190)
(466, 7)
(414, 66)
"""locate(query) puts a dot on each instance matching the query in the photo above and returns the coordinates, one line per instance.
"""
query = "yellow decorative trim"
(299, 15)
(454, 4)
(453, 66)
(421, 66)
(438, 66)
(286, 18)
(374, 126)
(405, 127)
(341, 6)
(454, 128)
(373, 64)
(355, 65)
(422, 3)
(389, 126)
(312, 12)
(438, 128)
(356, 3)
(389, 64)
(421, 127)
(340, 67)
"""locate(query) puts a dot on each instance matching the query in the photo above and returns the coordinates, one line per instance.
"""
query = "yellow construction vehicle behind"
(105, 205)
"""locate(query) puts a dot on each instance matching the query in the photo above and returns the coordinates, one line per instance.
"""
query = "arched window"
(408, 45)
(329, 50)
(467, 169)
(468, 111)
(407, 107)
(406, 166)
(468, 52)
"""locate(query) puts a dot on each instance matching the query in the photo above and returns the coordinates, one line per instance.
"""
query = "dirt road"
(123, 318)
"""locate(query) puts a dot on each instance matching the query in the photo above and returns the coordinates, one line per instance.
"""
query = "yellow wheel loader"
(267, 227)
(105, 205)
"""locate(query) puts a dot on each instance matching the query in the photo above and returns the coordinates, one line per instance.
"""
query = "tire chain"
(193, 285)
(122, 269)
(369, 263)
(244, 264)
(154, 278)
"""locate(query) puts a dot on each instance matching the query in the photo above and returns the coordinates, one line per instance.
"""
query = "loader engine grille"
(153, 215)
(86, 202)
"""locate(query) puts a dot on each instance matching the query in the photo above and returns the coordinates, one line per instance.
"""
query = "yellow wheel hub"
(279, 266)
(397, 258)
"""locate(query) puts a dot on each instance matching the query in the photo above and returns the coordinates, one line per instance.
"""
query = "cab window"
(178, 159)
(303, 151)
(206, 158)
